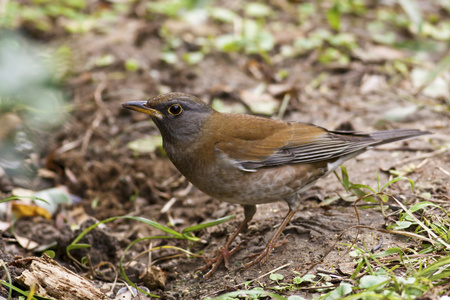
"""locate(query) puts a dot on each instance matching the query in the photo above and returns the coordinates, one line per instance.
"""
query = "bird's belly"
(263, 186)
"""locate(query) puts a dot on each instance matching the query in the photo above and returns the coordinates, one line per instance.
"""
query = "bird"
(250, 160)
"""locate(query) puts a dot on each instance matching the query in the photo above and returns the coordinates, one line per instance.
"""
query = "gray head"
(178, 116)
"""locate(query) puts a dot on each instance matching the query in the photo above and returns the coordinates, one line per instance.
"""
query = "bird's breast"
(219, 177)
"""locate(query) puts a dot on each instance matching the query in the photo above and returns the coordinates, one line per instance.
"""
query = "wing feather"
(270, 144)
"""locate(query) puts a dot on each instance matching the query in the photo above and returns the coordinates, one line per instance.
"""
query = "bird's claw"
(222, 255)
(264, 255)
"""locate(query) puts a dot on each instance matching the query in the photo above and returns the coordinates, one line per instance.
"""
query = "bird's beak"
(141, 106)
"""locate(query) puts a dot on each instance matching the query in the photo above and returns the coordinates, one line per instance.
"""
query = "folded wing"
(300, 143)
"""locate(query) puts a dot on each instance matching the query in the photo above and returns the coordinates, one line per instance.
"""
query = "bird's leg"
(264, 255)
(224, 253)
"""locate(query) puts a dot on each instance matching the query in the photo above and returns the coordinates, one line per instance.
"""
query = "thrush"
(252, 160)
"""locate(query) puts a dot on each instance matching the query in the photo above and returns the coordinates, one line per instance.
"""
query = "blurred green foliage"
(249, 27)
(31, 102)
(73, 15)
(30, 76)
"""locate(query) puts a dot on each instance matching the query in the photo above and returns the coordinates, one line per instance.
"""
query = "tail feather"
(384, 136)
(334, 147)
(369, 140)
(389, 136)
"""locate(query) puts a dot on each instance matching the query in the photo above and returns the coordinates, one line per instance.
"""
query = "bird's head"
(178, 116)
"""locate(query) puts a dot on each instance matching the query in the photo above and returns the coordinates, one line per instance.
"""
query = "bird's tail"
(381, 137)
(389, 136)
(366, 141)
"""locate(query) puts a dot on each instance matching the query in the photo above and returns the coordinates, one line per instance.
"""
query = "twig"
(87, 137)
(444, 171)
(284, 104)
(98, 118)
(68, 146)
(423, 156)
(168, 205)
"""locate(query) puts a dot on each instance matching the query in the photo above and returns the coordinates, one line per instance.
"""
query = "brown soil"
(101, 169)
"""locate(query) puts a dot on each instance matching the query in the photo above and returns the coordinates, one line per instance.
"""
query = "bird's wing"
(291, 143)
(252, 142)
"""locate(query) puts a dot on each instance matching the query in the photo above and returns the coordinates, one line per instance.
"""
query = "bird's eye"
(175, 109)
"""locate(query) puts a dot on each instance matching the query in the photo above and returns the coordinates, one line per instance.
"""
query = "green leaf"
(265, 41)
(378, 182)
(333, 55)
(25, 293)
(413, 11)
(304, 44)
(343, 289)
(257, 10)
(426, 195)
(334, 16)
(390, 251)
(429, 83)
(371, 281)
(398, 179)
(54, 197)
(7, 274)
(80, 4)
(77, 246)
(347, 40)
(276, 277)
(345, 179)
(361, 186)
(156, 225)
(105, 60)
(330, 200)
(309, 277)
(50, 253)
(402, 224)
(421, 205)
(207, 224)
(255, 293)
(146, 145)
(305, 10)
(19, 197)
(227, 43)
(131, 65)
(169, 57)
(223, 14)
(297, 280)
(443, 65)
(380, 33)
(251, 30)
(140, 219)
(403, 280)
(170, 8)
(193, 58)
(431, 271)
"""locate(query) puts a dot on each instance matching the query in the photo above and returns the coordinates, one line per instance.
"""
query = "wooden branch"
(54, 281)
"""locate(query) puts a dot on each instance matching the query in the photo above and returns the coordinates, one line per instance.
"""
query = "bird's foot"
(264, 255)
(222, 255)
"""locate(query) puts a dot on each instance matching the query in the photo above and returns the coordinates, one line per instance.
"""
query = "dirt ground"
(89, 155)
